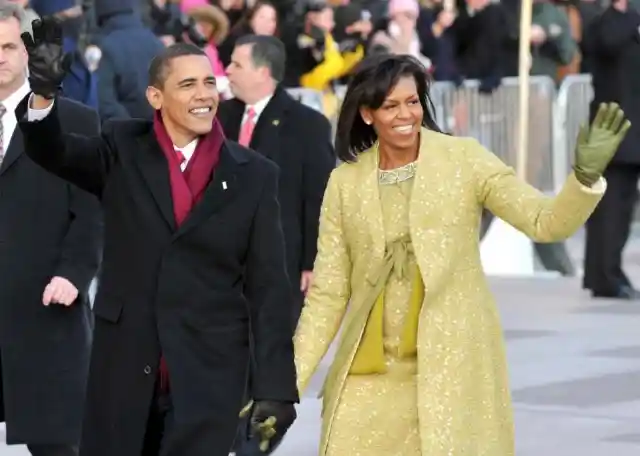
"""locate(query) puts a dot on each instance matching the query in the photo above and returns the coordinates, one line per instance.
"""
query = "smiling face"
(398, 120)
(188, 98)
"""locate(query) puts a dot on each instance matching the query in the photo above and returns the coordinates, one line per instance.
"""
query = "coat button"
(147, 370)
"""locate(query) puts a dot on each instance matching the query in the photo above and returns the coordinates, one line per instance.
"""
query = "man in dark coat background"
(613, 43)
(50, 241)
(263, 117)
(80, 83)
(127, 49)
(193, 270)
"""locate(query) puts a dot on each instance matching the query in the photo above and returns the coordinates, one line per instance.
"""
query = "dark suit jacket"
(298, 140)
(189, 292)
(48, 228)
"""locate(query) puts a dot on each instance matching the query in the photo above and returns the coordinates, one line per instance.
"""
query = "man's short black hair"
(159, 67)
(266, 51)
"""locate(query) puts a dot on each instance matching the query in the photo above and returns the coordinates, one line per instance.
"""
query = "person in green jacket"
(552, 45)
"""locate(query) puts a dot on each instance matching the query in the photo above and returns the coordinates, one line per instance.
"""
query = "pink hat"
(403, 6)
(186, 5)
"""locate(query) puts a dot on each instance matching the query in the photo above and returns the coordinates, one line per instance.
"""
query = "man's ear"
(154, 97)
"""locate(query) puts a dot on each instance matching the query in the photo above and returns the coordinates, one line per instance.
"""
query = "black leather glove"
(318, 35)
(48, 63)
(269, 422)
(350, 44)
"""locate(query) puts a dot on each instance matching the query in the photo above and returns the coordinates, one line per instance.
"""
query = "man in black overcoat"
(295, 137)
(50, 242)
(613, 43)
(265, 118)
(193, 267)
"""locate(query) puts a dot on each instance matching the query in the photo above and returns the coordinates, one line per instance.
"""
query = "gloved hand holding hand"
(269, 422)
(598, 144)
(48, 63)
(319, 36)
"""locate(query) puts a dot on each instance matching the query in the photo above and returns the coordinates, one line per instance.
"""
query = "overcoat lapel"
(266, 135)
(220, 191)
(154, 168)
(430, 197)
(371, 205)
(232, 122)
(14, 150)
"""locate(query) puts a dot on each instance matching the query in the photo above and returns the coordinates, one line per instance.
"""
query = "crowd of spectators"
(325, 39)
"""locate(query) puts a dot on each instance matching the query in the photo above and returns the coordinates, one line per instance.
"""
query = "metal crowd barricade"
(341, 91)
(437, 91)
(493, 121)
(554, 120)
(571, 111)
(314, 99)
(308, 97)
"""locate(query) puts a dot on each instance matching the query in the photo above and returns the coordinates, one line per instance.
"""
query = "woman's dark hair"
(369, 86)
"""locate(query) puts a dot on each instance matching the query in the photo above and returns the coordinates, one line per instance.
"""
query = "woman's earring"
(368, 122)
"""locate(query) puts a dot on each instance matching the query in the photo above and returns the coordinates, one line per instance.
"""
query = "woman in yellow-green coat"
(420, 368)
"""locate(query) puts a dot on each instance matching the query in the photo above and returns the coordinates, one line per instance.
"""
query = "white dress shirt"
(9, 121)
(33, 115)
(258, 108)
(187, 152)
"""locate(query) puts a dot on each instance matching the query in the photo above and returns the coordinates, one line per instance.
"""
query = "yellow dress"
(453, 398)
(373, 404)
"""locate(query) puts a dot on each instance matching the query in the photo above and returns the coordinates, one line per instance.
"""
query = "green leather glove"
(598, 144)
(269, 422)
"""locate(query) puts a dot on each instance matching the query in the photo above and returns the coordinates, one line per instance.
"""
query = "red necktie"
(181, 158)
(247, 128)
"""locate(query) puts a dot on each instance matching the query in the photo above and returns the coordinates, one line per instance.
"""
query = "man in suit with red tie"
(265, 118)
(193, 267)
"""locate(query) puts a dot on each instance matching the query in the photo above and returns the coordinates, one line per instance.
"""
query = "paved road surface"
(574, 364)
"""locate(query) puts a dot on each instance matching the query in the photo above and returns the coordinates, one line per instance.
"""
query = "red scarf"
(188, 186)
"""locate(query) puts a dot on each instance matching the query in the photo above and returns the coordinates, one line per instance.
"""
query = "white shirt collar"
(258, 107)
(187, 152)
(13, 100)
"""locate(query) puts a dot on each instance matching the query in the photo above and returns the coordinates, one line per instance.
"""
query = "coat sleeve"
(542, 218)
(330, 290)
(333, 65)
(269, 293)
(320, 159)
(84, 161)
(82, 244)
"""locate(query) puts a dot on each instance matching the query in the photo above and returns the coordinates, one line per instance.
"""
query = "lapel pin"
(224, 185)
(276, 122)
